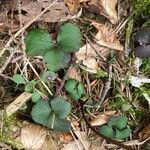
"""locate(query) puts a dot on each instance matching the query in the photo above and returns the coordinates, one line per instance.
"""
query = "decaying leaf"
(33, 136)
(102, 118)
(145, 133)
(107, 37)
(81, 143)
(73, 73)
(91, 64)
(49, 144)
(73, 5)
(106, 41)
(17, 103)
(105, 8)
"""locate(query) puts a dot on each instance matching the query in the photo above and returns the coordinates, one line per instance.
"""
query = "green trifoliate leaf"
(107, 131)
(71, 85)
(60, 107)
(48, 76)
(122, 134)
(75, 89)
(17, 78)
(69, 38)
(120, 122)
(56, 59)
(41, 112)
(38, 42)
(36, 97)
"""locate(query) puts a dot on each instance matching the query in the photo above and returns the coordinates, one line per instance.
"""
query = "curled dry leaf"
(33, 136)
(102, 118)
(105, 8)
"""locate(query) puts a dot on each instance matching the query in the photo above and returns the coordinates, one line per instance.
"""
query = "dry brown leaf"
(73, 5)
(66, 137)
(105, 8)
(107, 37)
(73, 73)
(82, 142)
(33, 136)
(102, 118)
(145, 133)
(17, 103)
(32, 8)
(91, 64)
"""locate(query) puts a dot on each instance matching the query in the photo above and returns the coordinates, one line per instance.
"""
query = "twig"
(99, 134)
(24, 28)
(64, 79)
(107, 85)
(39, 78)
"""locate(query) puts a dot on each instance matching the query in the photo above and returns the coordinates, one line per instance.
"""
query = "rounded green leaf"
(62, 124)
(107, 131)
(120, 122)
(81, 89)
(56, 59)
(69, 38)
(37, 42)
(122, 134)
(36, 97)
(17, 78)
(48, 76)
(71, 85)
(41, 112)
(61, 107)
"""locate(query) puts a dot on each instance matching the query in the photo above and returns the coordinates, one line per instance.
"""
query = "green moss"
(141, 7)
(7, 130)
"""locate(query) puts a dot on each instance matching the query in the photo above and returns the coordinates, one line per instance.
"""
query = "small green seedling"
(75, 89)
(56, 55)
(53, 114)
(116, 128)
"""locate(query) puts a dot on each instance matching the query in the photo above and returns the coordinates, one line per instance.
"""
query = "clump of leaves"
(53, 114)
(56, 55)
(116, 128)
(75, 89)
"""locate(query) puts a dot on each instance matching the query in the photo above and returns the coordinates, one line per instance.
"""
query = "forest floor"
(74, 75)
